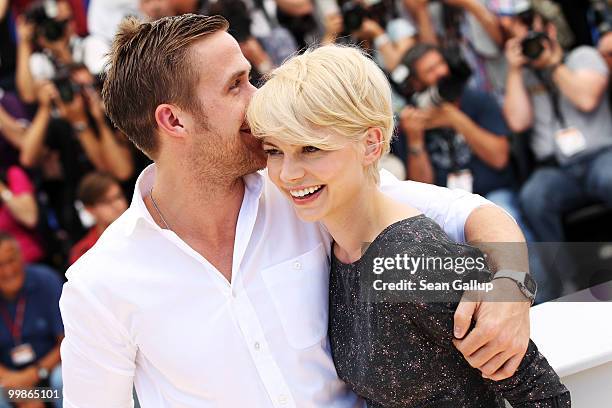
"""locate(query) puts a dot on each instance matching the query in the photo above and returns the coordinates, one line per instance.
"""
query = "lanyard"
(16, 325)
(553, 94)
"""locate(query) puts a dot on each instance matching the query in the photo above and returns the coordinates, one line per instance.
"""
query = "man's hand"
(370, 29)
(412, 121)
(25, 30)
(514, 53)
(445, 115)
(28, 377)
(551, 56)
(73, 111)
(498, 342)
(334, 25)
(47, 93)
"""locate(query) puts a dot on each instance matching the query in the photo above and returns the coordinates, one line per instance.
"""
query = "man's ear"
(169, 119)
(374, 141)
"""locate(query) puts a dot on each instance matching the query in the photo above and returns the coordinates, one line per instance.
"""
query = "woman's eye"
(272, 152)
(311, 149)
(236, 84)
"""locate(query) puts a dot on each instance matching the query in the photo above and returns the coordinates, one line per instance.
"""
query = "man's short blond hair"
(328, 90)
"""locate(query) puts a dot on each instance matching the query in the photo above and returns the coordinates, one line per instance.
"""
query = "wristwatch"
(43, 373)
(415, 150)
(525, 282)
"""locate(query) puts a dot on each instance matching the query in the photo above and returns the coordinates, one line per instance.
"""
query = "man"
(102, 197)
(562, 98)
(31, 326)
(208, 290)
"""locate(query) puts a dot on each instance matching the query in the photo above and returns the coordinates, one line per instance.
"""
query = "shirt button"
(256, 346)
(282, 399)
(297, 265)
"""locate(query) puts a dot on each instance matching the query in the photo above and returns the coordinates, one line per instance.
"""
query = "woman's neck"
(361, 220)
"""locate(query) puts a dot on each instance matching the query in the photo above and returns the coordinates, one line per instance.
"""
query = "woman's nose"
(291, 170)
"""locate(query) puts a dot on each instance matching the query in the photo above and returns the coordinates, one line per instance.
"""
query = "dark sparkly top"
(400, 354)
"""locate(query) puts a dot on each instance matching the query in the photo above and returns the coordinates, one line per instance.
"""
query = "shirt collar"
(138, 212)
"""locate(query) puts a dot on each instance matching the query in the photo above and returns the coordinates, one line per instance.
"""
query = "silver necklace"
(157, 209)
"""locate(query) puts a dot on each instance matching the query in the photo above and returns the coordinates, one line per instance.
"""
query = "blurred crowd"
(509, 99)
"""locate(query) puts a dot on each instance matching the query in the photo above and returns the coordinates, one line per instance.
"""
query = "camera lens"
(533, 45)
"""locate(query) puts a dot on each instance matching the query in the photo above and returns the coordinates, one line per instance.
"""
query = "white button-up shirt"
(143, 308)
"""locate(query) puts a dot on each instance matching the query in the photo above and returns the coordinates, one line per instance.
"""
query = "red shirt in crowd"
(18, 182)
(84, 244)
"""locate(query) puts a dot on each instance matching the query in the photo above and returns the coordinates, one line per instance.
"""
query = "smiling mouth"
(306, 193)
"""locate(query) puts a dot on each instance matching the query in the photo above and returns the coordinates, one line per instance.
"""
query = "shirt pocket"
(299, 291)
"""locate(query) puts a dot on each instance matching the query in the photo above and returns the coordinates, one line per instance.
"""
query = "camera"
(533, 44)
(448, 89)
(42, 16)
(354, 12)
(66, 88)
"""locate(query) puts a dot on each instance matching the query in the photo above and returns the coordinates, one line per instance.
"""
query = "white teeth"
(303, 192)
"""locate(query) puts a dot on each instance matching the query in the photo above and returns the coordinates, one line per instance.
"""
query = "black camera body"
(66, 88)
(533, 44)
(46, 26)
(353, 14)
(448, 89)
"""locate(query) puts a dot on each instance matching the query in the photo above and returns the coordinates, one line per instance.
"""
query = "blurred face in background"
(110, 207)
(185, 6)
(156, 9)
(12, 272)
(430, 69)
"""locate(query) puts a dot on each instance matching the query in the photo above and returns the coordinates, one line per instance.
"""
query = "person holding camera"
(47, 42)
(562, 99)
(456, 135)
(69, 137)
(374, 26)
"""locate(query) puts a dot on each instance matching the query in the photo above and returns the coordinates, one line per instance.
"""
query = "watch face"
(530, 284)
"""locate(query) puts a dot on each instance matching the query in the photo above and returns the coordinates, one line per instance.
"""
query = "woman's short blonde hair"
(330, 89)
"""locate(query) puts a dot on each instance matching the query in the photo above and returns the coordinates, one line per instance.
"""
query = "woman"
(325, 118)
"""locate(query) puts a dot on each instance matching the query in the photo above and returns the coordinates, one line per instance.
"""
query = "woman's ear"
(374, 141)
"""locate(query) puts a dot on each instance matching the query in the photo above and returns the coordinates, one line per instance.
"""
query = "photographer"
(374, 26)
(562, 98)
(70, 136)
(47, 42)
(456, 135)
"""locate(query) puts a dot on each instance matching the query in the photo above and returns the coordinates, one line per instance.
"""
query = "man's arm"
(98, 356)
(584, 87)
(419, 168)
(517, 107)
(499, 340)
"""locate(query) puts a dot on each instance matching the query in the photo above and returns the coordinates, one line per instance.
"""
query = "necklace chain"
(157, 209)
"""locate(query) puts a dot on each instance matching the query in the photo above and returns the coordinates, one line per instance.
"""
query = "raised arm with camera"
(517, 103)
(24, 81)
(420, 13)
(487, 19)
(391, 51)
(32, 147)
(116, 155)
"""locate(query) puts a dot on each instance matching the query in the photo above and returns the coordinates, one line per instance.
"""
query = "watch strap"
(522, 279)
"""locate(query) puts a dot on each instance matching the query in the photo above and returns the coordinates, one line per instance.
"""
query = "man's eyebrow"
(238, 74)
